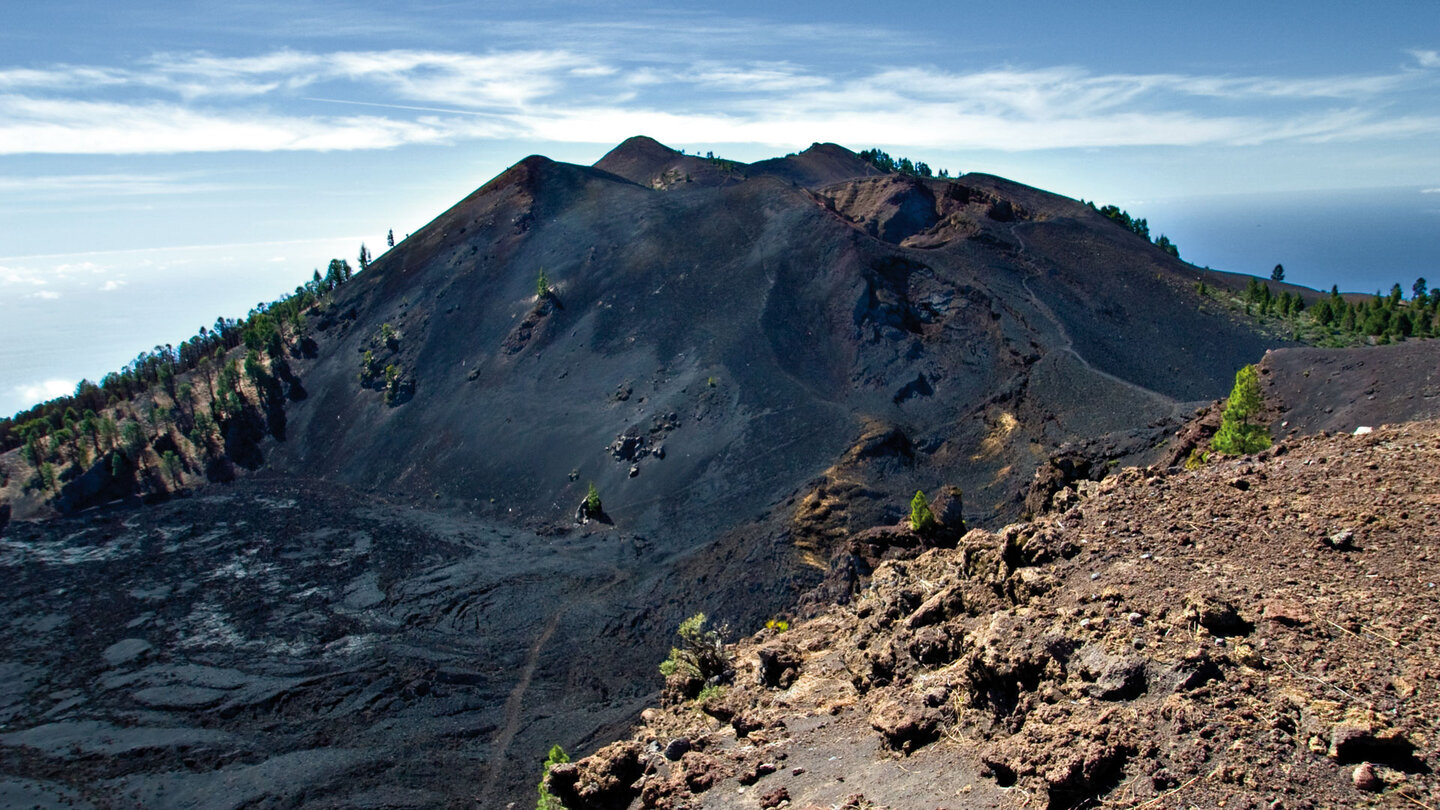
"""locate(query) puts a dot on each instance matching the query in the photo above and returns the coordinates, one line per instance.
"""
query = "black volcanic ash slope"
(755, 321)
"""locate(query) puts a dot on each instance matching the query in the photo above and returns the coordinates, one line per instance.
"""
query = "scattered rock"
(944, 604)
(753, 775)
(602, 781)
(700, 772)
(1114, 677)
(905, 727)
(1342, 540)
(1217, 615)
(779, 665)
(744, 724)
(1366, 779)
(1284, 612)
(949, 510)
(775, 798)
(1350, 744)
(679, 688)
(126, 650)
(678, 747)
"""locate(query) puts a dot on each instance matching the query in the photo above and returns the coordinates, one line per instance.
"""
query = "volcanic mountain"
(747, 328)
(748, 362)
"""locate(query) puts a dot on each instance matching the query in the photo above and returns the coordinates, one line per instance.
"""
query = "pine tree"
(921, 518)
(1238, 435)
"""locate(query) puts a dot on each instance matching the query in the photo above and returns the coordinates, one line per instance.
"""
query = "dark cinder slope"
(753, 330)
(1312, 389)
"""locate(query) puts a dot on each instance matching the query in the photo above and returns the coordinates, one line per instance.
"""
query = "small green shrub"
(367, 366)
(921, 518)
(712, 691)
(389, 336)
(392, 383)
(701, 653)
(1197, 459)
(547, 800)
(172, 465)
(592, 499)
(778, 625)
(542, 285)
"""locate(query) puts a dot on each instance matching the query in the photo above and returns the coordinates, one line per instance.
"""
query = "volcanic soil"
(1257, 633)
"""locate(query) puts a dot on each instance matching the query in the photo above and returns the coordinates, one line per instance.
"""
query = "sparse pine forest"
(1335, 320)
(1332, 321)
(197, 409)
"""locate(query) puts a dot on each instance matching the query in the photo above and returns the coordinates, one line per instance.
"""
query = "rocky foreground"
(1258, 633)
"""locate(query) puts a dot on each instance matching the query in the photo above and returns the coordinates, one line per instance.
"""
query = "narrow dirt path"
(1068, 344)
(515, 703)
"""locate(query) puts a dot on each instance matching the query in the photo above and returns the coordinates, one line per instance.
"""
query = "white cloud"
(13, 275)
(755, 78)
(41, 126)
(205, 103)
(1427, 59)
(1430, 191)
(112, 285)
(45, 390)
(44, 295)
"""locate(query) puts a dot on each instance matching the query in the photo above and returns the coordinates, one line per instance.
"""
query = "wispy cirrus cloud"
(52, 126)
(268, 102)
(1427, 59)
(112, 185)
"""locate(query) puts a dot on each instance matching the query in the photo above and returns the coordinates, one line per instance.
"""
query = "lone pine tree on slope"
(1238, 435)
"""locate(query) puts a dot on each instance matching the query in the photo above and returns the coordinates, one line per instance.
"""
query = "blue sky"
(160, 166)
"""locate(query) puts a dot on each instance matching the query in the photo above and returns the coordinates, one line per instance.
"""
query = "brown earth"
(1260, 632)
